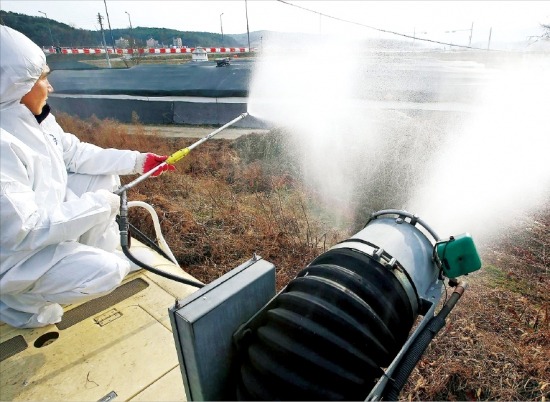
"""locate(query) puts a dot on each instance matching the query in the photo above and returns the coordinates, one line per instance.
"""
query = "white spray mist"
(308, 88)
(468, 171)
(498, 165)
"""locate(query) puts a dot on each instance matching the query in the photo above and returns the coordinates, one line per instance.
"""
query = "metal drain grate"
(12, 347)
(95, 306)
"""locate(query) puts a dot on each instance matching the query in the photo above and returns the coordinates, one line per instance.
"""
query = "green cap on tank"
(458, 255)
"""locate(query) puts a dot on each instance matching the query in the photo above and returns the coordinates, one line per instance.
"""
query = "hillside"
(38, 29)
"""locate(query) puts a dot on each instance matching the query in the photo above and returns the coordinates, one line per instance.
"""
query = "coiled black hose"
(328, 334)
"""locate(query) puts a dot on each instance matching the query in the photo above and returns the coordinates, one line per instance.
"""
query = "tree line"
(47, 32)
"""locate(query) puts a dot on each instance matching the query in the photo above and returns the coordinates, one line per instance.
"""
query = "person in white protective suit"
(58, 231)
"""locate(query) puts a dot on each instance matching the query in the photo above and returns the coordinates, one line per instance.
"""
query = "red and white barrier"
(52, 50)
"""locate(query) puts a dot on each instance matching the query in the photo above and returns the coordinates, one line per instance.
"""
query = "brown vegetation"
(496, 344)
(230, 199)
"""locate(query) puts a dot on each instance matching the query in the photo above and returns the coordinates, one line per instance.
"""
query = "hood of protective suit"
(21, 64)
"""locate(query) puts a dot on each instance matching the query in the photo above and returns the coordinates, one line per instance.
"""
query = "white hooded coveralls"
(57, 235)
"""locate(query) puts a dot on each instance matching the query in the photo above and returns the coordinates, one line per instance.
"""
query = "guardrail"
(96, 50)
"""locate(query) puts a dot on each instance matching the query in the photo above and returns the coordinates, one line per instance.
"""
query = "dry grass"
(496, 344)
(230, 199)
(215, 210)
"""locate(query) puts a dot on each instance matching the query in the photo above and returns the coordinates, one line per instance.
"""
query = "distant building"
(122, 43)
(152, 43)
(177, 42)
(199, 54)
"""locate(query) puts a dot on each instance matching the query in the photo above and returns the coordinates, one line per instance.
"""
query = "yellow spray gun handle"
(178, 155)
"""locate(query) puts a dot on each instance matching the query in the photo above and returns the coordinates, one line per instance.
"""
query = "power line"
(379, 29)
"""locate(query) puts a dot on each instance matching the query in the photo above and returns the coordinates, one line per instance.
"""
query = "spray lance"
(178, 155)
(123, 221)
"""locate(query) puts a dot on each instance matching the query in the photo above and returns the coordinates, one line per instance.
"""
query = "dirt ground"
(192, 131)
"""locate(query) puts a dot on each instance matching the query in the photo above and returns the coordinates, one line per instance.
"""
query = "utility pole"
(132, 42)
(221, 26)
(109, 22)
(489, 43)
(247, 31)
(99, 19)
(49, 29)
(471, 32)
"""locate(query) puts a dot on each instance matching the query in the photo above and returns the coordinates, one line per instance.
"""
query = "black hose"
(159, 272)
(138, 234)
(142, 237)
(418, 347)
(123, 226)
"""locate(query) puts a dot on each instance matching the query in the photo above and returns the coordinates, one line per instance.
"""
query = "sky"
(449, 21)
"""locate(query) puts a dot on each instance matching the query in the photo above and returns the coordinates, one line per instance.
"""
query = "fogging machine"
(342, 329)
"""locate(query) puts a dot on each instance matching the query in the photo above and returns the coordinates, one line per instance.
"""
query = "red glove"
(149, 161)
